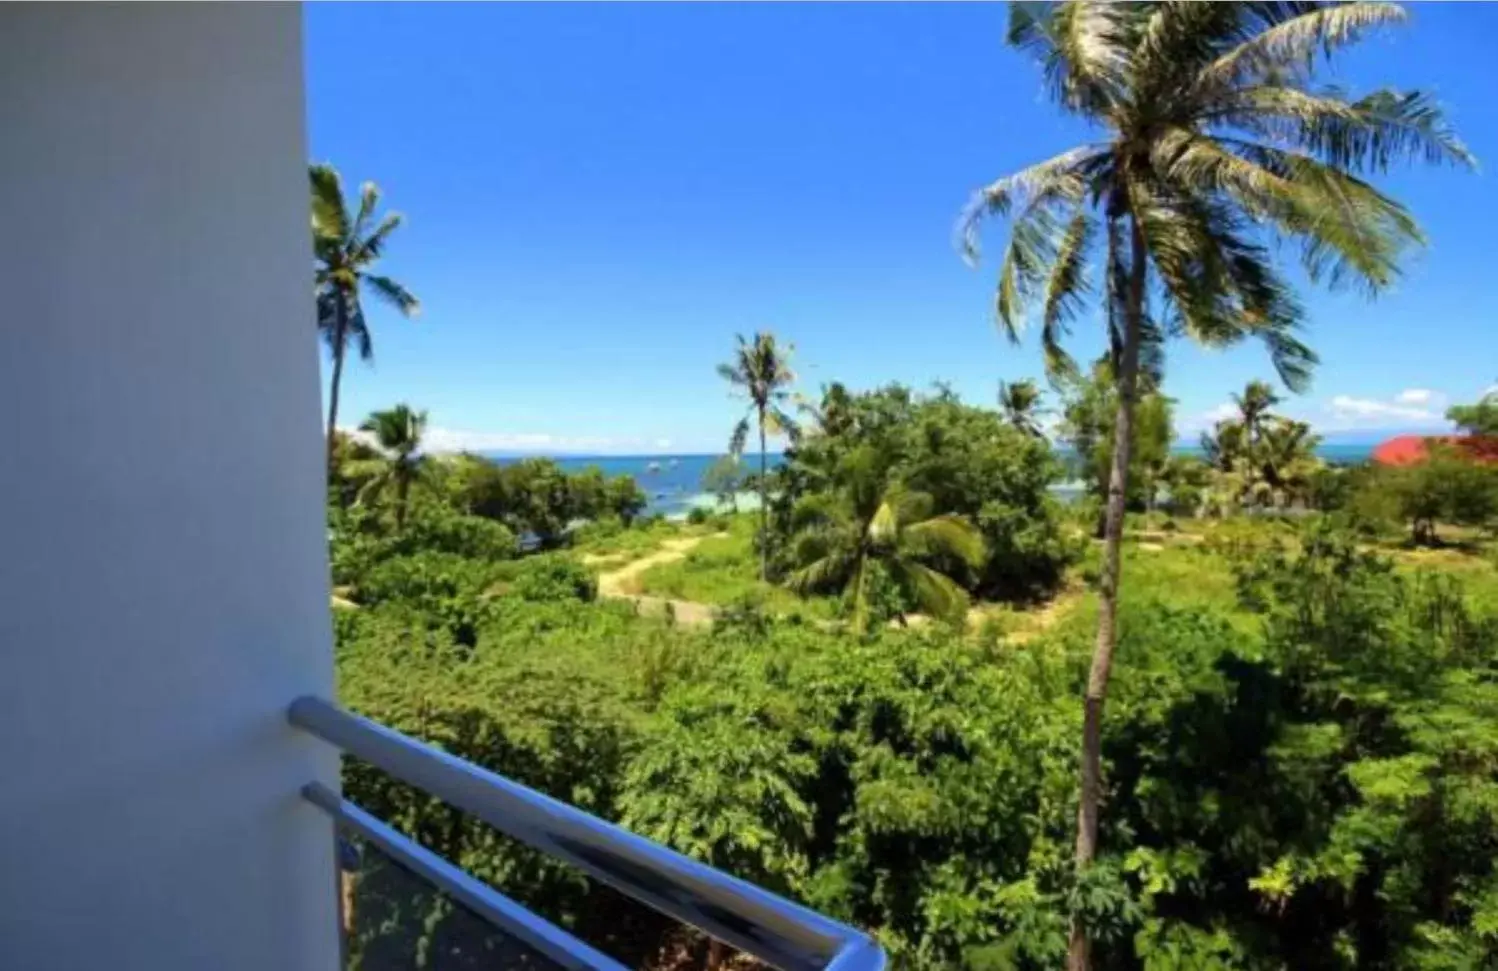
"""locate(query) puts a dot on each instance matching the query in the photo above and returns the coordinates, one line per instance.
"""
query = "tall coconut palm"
(1020, 403)
(1214, 140)
(868, 521)
(345, 250)
(760, 371)
(397, 433)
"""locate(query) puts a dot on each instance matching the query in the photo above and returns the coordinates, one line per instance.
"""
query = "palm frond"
(1081, 45)
(1366, 134)
(779, 422)
(329, 216)
(884, 525)
(948, 535)
(938, 595)
(1060, 178)
(1390, 125)
(829, 572)
(393, 293)
(1292, 45)
(375, 485)
(1065, 291)
(739, 438)
(369, 200)
(369, 248)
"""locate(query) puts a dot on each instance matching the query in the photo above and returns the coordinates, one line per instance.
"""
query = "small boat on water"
(652, 467)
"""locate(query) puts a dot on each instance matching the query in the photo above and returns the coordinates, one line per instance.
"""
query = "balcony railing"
(774, 930)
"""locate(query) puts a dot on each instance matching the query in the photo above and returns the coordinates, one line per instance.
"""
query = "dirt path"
(622, 583)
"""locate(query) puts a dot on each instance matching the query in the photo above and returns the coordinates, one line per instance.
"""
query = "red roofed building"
(1410, 449)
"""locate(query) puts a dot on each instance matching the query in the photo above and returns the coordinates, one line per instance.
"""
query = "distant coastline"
(673, 482)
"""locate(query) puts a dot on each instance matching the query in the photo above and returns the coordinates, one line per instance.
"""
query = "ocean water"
(673, 483)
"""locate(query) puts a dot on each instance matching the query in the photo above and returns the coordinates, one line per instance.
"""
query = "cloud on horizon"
(1349, 413)
(1419, 396)
(1411, 409)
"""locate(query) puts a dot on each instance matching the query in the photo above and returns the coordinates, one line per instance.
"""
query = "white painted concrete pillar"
(163, 585)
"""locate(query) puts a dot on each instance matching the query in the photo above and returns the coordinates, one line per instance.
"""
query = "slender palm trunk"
(340, 340)
(1079, 950)
(764, 506)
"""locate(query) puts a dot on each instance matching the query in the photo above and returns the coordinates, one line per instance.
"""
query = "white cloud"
(1346, 412)
(1207, 420)
(1420, 396)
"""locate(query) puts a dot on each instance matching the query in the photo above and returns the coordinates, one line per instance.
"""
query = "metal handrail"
(780, 933)
(541, 936)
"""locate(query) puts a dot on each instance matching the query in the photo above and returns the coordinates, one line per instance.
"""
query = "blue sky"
(600, 196)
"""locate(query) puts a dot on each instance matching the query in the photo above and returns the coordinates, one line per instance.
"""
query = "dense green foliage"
(535, 496)
(1263, 459)
(1445, 487)
(1303, 765)
(1480, 418)
(967, 461)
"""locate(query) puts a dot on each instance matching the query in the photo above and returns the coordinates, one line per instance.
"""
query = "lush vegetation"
(1302, 758)
(1301, 754)
(872, 705)
(1217, 142)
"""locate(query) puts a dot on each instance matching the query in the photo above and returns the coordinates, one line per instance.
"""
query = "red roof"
(1410, 449)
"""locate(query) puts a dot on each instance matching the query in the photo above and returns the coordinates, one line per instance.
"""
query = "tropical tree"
(1287, 463)
(1020, 403)
(397, 434)
(760, 371)
(1253, 415)
(1476, 419)
(1214, 141)
(872, 526)
(345, 250)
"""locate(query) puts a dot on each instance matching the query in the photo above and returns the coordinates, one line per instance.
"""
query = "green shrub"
(553, 577)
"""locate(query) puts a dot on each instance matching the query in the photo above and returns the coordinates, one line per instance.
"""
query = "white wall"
(163, 591)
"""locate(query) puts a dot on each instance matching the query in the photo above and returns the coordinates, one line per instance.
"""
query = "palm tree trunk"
(402, 490)
(764, 506)
(1079, 950)
(340, 339)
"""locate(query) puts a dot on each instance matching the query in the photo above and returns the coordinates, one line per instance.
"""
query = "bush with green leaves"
(553, 577)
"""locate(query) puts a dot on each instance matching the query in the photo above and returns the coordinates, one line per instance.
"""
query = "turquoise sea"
(673, 483)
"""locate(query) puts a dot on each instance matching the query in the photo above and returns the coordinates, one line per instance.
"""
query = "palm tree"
(868, 521)
(345, 251)
(760, 371)
(1253, 415)
(1287, 460)
(1214, 142)
(397, 433)
(1020, 403)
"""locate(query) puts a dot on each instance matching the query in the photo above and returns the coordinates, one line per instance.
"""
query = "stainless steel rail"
(555, 944)
(783, 934)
